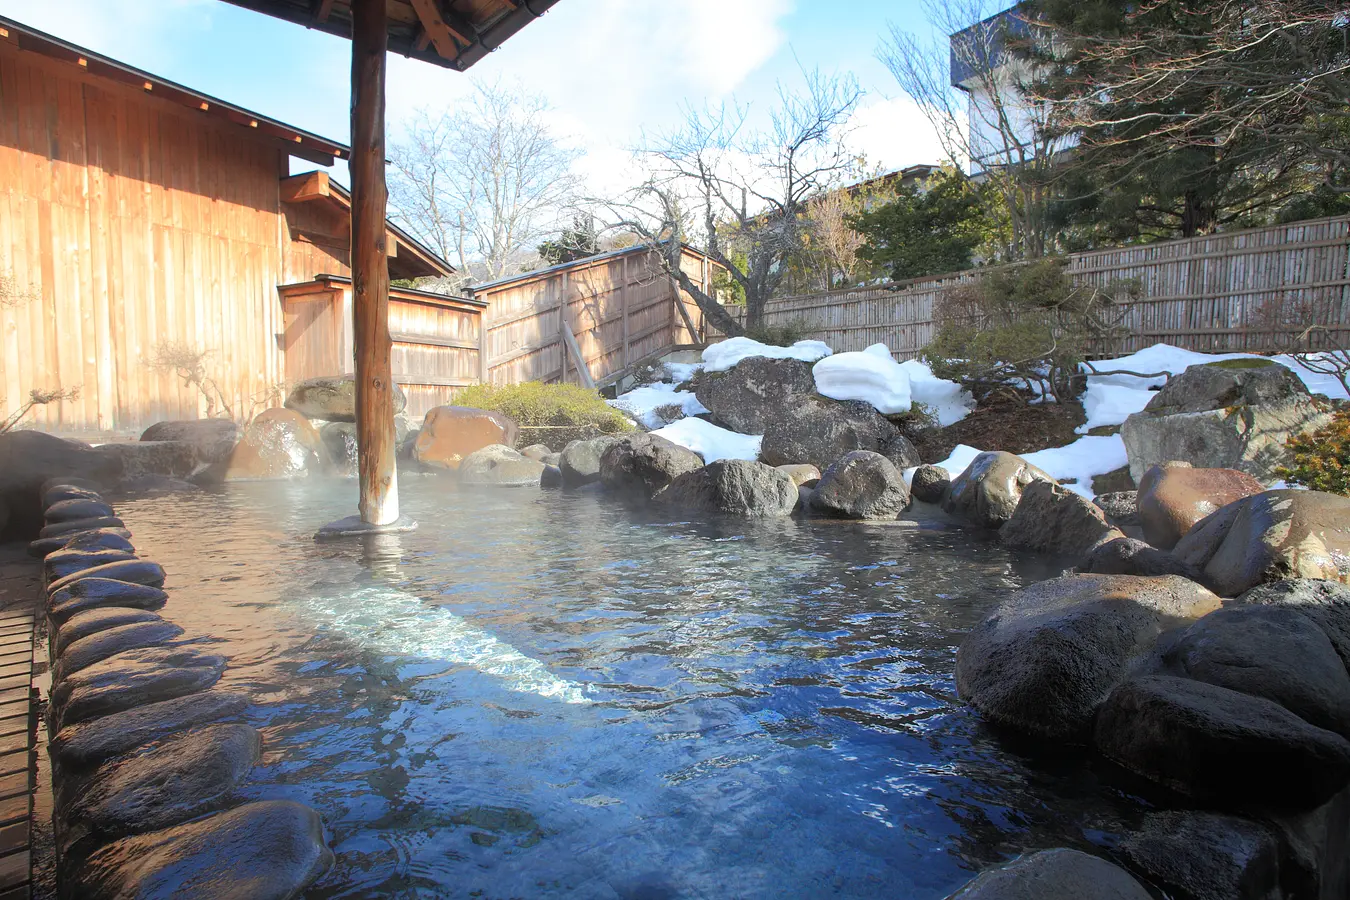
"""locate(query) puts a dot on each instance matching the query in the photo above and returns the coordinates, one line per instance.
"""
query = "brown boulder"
(988, 491)
(279, 443)
(1268, 537)
(1174, 496)
(1053, 519)
(212, 438)
(450, 433)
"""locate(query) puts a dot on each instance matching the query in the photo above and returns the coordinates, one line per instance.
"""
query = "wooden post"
(623, 304)
(370, 268)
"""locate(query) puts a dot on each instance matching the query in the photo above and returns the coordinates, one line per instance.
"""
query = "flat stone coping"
(353, 526)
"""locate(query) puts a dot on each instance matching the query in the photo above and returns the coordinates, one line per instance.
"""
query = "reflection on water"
(536, 695)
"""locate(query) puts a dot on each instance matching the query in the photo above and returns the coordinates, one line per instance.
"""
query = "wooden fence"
(585, 322)
(1249, 291)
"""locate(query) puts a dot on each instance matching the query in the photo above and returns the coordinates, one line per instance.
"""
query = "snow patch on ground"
(947, 399)
(711, 442)
(682, 372)
(642, 403)
(1077, 463)
(869, 375)
(725, 354)
(1110, 399)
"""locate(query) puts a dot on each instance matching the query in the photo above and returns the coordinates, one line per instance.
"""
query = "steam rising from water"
(388, 620)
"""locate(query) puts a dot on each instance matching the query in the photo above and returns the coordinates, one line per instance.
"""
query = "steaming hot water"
(541, 695)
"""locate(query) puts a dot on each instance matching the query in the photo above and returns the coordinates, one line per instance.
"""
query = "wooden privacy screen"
(1248, 291)
(621, 308)
(435, 339)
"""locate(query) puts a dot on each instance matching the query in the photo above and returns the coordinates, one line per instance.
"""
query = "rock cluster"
(146, 764)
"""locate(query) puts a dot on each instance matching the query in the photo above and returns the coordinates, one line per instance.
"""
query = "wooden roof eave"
(454, 34)
(294, 141)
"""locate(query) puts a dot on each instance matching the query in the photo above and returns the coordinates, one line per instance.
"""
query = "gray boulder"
(1174, 496)
(1223, 418)
(1130, 556)
(1220, 746)
(988, 491)
(1268, 537)
(92, 539)
(212, 439)
(92, 743)
(1327, 603)
(133, 678)
(97, 593)
(551, 477)
(97, 647)
(1205, 856)
(930, 484)
(59, 492)
(1121, 507)
(132, 571)
(178, 460)
(30, 458)
(499, 466)
(538, 452)
(59, 528)
(901, 452)
(333, 398)
(748, 397)
(580, 460)
(1274, 652)
(1059, 874)
(1053, 519)
(819, 431)
(269, 850)
(861, 485)
(93, 621)
(1051, 653)
(65, 561)
(82, 508)
(176, 781)
(733, 487)
(639, 466)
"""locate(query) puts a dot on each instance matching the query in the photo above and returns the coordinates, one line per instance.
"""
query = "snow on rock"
(870, 375)
(1110, 399)
(947, 399)
(642, 403)
(682, 372)
(711, 442)
(1076, 463)
(725, 354)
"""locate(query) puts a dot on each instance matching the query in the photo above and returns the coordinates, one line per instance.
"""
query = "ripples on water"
(541, 695)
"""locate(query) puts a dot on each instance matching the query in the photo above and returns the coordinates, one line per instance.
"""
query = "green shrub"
(533, 404)
(1321, 459)
(784, 335)
(1019, 327)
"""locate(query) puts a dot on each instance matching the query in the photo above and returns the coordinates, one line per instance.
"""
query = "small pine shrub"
(1321, 459)
(534, 404)
(784, 335)
(1242, 363)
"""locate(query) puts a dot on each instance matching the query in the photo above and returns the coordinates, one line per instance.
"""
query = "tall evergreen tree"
(1192, 115)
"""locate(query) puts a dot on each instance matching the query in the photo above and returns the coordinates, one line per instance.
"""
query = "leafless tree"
(485, 182)
(996, 126)
(740, 191)
(38, 397)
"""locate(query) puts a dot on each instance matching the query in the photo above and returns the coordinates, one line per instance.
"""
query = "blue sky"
(609, 68)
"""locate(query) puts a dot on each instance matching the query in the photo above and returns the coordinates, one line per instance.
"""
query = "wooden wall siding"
(318, 241)
(313, 341)
(133, 223)
(1240, 291)
(620, 308)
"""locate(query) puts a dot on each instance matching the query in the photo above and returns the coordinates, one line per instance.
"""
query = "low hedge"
(534, 404)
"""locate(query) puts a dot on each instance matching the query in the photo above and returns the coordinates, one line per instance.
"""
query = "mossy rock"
(1242, 363)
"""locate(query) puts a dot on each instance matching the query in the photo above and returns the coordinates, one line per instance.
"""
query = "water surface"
(546, 695)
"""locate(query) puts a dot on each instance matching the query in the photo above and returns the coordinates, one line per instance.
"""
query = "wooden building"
(139, 216)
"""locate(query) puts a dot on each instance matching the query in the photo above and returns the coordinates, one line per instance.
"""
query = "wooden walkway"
(20, 588)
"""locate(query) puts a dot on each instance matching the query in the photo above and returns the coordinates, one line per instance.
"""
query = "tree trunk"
(713, 312)
(370, 269)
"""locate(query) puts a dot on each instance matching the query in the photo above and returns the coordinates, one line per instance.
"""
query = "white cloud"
(894, 133)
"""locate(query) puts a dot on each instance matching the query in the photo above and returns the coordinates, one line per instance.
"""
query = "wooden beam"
(570, 341)
(322, 11)
(370, 268)
(684, 314)
(426, 340)
(310, 186)
(429, 14)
